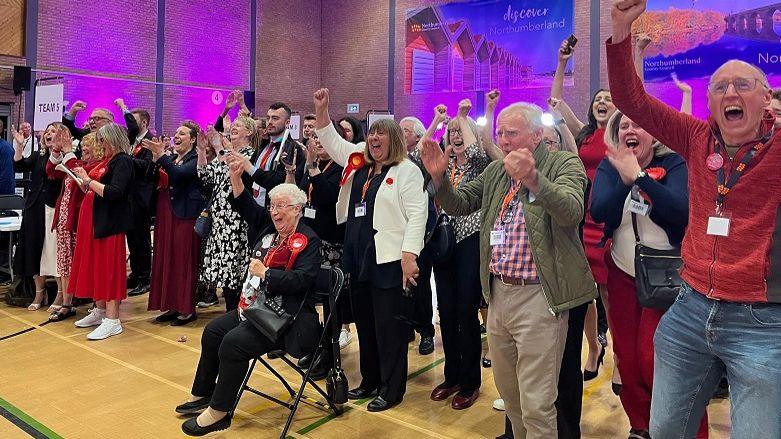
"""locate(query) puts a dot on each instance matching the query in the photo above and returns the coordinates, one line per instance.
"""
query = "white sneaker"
(106, 329)
(499, 404)
(345, 337)
(94, 318)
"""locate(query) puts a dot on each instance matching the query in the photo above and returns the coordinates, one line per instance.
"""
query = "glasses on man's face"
(97, 118)
(509, 134)
(278, 207)
(550, 143)
(742, 85)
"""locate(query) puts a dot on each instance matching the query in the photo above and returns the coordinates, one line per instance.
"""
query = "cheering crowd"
(547, 226)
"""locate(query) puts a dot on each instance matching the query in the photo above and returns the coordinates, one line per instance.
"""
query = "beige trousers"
(527, 344)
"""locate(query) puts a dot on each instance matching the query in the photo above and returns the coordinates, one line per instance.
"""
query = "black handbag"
(441, 241)
(657, 274)
(203, 224)
(267, 314)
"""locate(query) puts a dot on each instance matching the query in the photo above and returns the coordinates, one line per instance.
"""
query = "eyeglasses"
(742, 85)
(453, 132)
(510, 134)
(549, 142)
(97, 118)
(278, 207)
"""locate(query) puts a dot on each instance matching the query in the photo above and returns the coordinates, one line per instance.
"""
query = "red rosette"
(657, 173)
(389, 180)
(297, 242)
(355, 162)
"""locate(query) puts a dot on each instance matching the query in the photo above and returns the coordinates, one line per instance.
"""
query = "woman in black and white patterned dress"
(226, 251)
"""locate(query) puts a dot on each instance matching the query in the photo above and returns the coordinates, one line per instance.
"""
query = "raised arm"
(686, 95)
(640, 43)
(667, 125)
(487, 130)
(565, 52)
(69, 120)
(568, 142)
(338, 148)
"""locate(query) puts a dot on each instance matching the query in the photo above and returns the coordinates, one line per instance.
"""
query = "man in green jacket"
(533, 266)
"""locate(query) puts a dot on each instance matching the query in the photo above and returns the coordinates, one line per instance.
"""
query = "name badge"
(718, 226)
(639, 207)
(360, 210)
(310, 213)
(497, 237)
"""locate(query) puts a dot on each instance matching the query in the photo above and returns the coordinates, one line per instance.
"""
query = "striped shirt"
(513, 257)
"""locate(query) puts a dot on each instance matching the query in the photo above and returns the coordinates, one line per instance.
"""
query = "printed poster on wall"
(692, 38)
(485, 44)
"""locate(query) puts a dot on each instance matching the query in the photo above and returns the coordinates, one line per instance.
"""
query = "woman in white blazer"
(382, 201)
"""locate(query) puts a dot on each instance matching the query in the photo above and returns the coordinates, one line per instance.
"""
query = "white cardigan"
(401, 208)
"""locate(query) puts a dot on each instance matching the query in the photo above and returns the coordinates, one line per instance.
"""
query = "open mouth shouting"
(733, 113)
(601, 110)
(632, 143)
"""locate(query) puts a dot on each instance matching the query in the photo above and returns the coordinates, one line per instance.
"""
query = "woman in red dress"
(99, 268)
(66, 213)
(177, 246)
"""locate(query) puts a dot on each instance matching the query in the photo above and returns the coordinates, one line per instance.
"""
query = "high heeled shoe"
(589, 375)
(54, 307)
(35, 306)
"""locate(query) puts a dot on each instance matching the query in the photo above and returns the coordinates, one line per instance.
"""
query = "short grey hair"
(760, 72)
(531, 113)
(296, 195)
(116, 137)
(417, 125)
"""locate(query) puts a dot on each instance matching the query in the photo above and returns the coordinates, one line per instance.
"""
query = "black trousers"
(569, 402)
(382, 334)
(423, 311)
(231, 296)
(458, 299)
(227, 347)
(139, 243)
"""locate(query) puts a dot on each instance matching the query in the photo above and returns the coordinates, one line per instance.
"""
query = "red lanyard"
(511, 193)
(368, 182)
(723, 187)
(456, 179)
(309, 194)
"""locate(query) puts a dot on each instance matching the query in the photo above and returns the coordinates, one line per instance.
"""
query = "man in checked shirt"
(533, 266)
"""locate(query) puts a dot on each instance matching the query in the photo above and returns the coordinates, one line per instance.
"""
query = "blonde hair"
(611, 136)
(116, 136)
(397, 149)
(58, 126)
(248, 122)
(91, 140)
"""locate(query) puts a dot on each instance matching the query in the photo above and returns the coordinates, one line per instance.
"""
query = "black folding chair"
(9, 207)
(329, 284)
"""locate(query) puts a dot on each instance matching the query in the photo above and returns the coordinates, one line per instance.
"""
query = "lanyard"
(723, 187)
(368, 182)
(309, 194)
(511, 193)
(456, 179)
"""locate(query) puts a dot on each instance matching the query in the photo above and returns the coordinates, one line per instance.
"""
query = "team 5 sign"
(48, 105)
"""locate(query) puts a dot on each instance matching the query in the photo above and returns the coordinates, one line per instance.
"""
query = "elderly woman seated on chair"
(286, 257)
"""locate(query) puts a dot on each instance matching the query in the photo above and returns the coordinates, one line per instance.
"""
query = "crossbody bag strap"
(634, 227)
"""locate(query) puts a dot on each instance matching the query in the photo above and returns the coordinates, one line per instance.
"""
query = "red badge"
(657, 173)
(389, 180)
(714, 162)
(297, 243)
(354, 162)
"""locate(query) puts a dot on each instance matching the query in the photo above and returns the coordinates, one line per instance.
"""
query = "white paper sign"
(48, 105)
(375, 117)
(294, 125)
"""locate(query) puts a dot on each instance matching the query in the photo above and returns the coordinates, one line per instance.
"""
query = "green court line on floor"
(28, 420)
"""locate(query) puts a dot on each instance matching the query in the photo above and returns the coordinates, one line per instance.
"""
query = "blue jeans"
(699, 339)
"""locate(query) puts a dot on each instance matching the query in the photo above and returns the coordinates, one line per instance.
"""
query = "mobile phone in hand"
(571, 42)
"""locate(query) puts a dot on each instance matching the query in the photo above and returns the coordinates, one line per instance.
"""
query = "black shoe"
(181, 322)
(486, 363)
(589, 375)
(132, 282)
(305, 361)
(639, 434)
(426, 345)
(616, 388)
(361, 393)
(191, 427)
(193, 407)
(379, 404)
(166, 317)
(141, 288)
(602, 339)
(482, 329)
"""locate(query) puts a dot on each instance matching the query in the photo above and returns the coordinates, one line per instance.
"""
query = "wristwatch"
(641, 174)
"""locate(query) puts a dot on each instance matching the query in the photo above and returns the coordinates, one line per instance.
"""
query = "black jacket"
(113, 212)
(294, 285)
(78, 133)
(276, 175)
(184, 186)
(145, 187)
(40, 184)
(325, 193)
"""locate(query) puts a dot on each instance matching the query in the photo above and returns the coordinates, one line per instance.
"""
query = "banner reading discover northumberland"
(485, 44)
(692, 38)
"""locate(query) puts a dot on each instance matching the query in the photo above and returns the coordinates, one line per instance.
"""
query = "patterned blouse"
(476, 161)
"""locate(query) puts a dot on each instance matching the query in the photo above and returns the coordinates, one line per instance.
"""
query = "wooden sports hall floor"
(55, 383)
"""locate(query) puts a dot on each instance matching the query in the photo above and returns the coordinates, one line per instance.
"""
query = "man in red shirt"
(727, 317)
